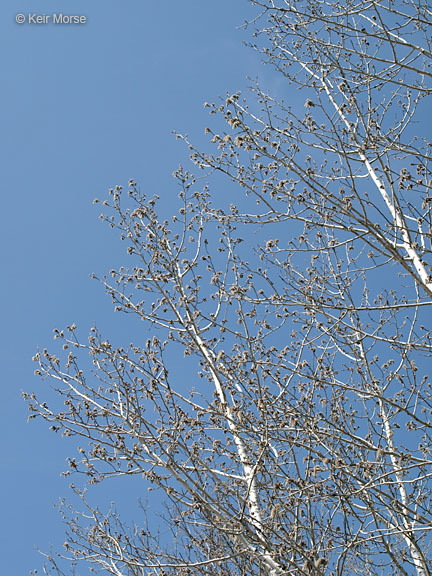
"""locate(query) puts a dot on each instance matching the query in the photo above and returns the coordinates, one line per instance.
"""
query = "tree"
(297, 437)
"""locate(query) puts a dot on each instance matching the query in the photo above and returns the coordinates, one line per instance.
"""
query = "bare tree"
(296, 437)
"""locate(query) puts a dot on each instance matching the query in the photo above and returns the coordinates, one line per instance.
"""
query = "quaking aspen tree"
(295, 439)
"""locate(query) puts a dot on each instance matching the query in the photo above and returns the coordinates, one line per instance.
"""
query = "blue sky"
(86, 107)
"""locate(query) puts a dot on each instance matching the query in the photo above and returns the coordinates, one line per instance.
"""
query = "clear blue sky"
(83, 108)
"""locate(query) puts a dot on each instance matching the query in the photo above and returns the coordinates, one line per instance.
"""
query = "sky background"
(84, 108)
